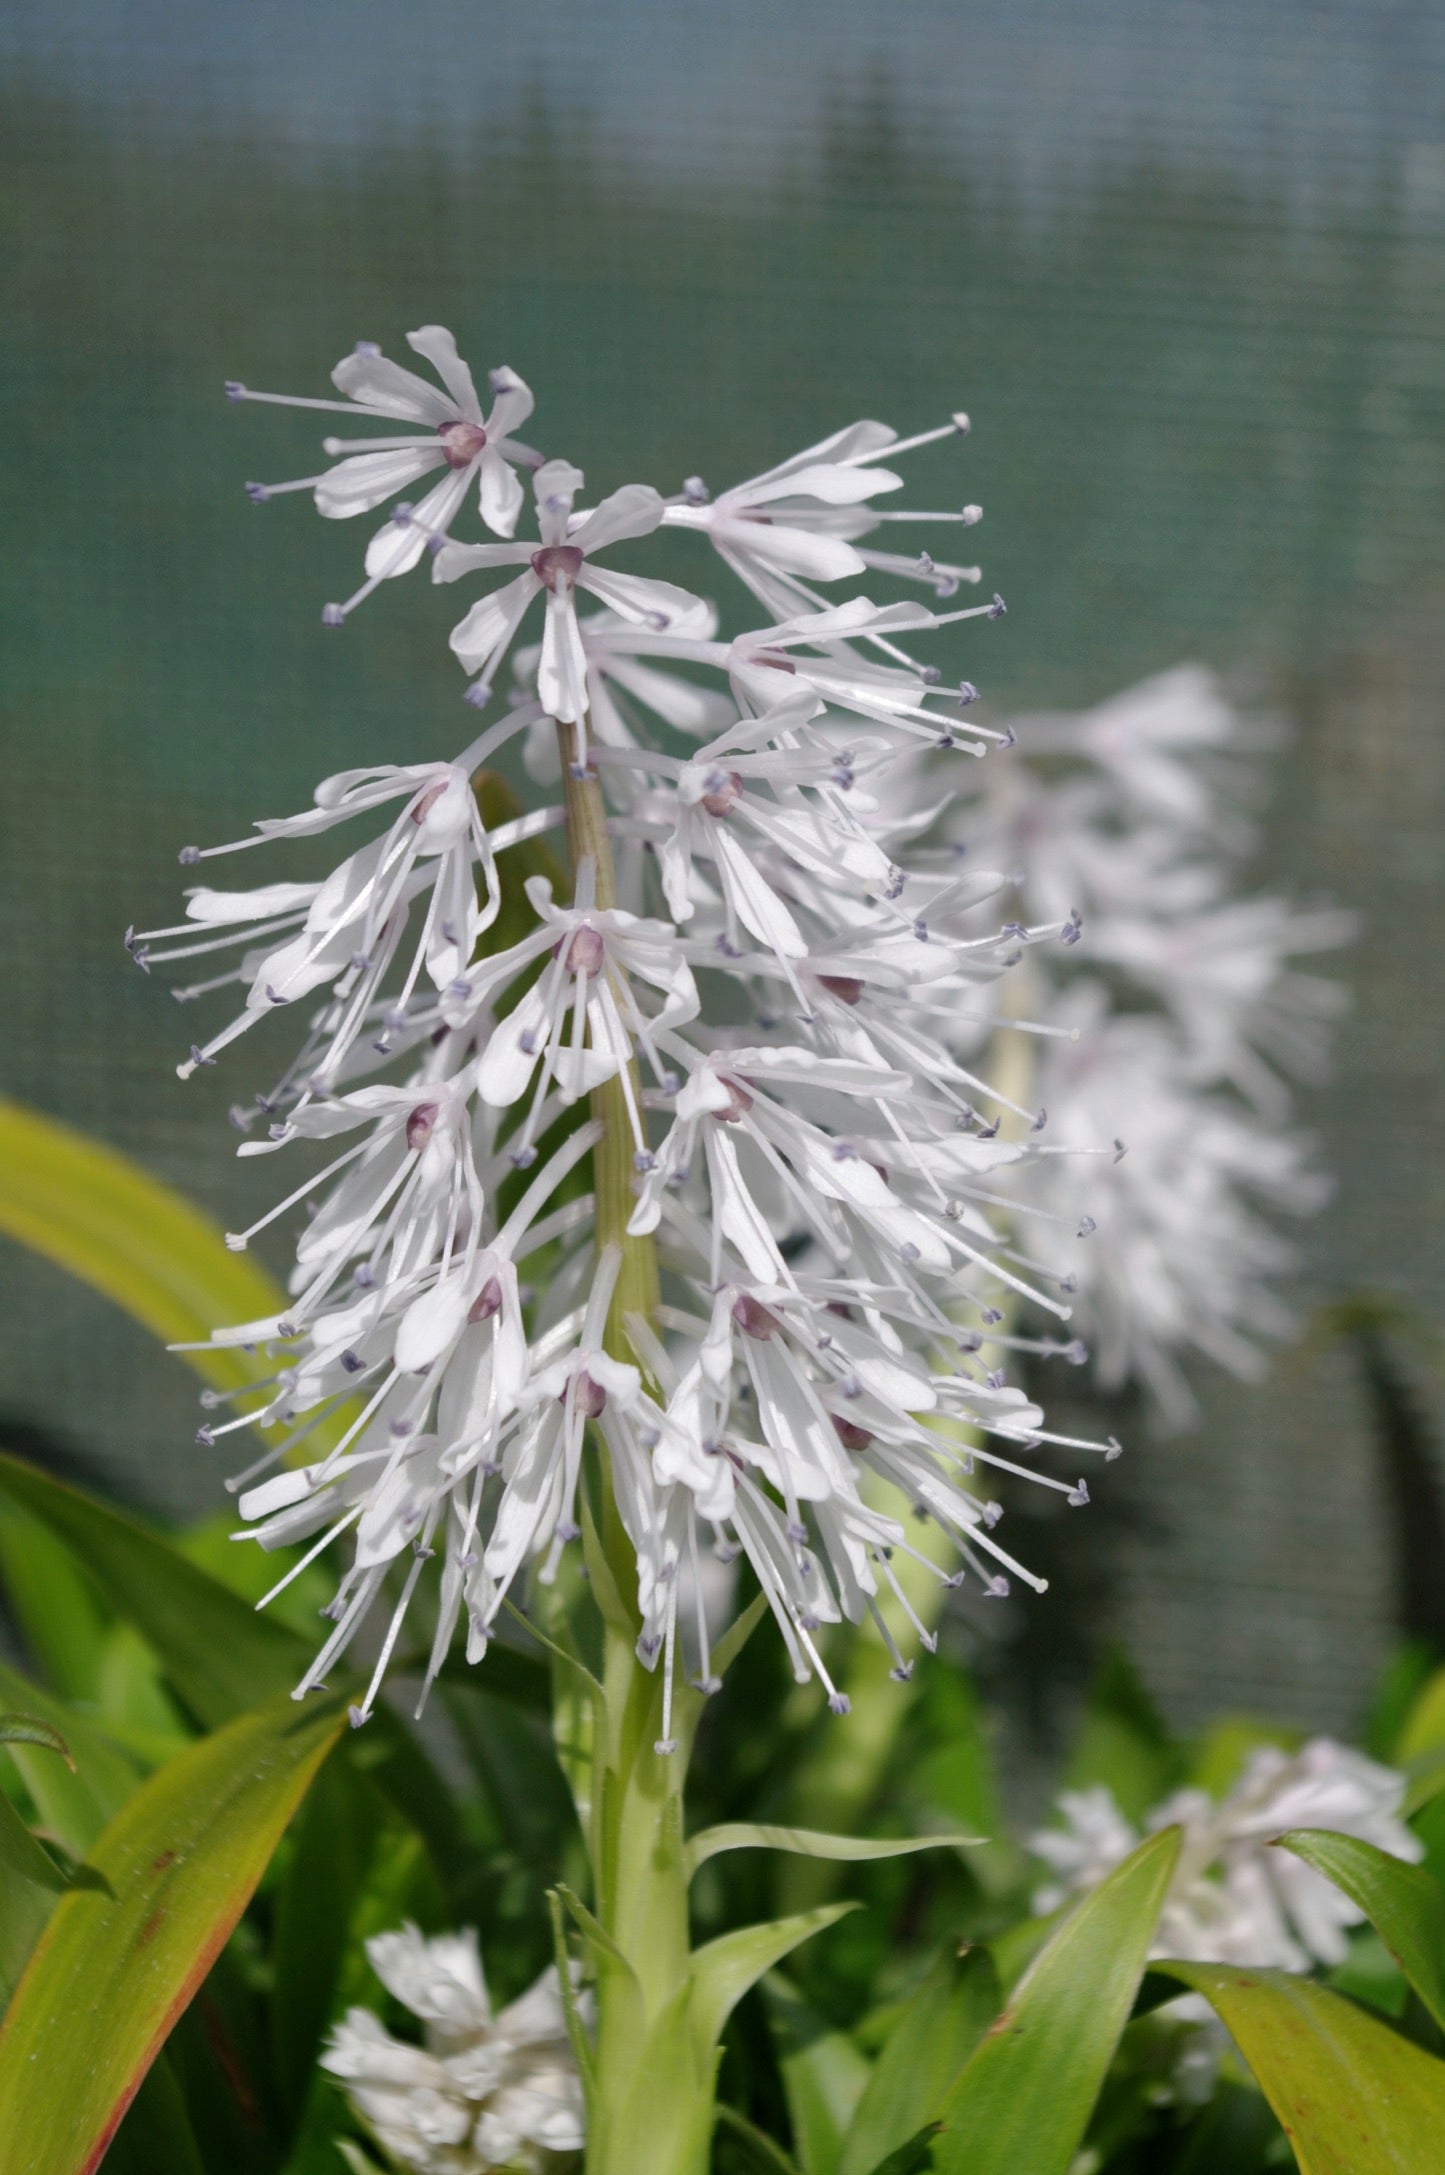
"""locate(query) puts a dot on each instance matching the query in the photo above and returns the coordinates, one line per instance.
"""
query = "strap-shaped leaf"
(96, 1213)
(914, 2156)
(130, 1942)
(723, 1970)
(92, 1211)
(219, 1654)
(72, 1807)
(808, 1843)
(824, 2073)
(1404, 1903)
(1353, 2096)
(30, 1729)
(1023, 2103)
(30, 1881)
(760, 2154)
(937, 2030)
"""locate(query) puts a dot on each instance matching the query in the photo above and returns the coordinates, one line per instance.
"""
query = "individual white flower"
(483, 2090)
(1233, 1898)
(450, 430)
(556, 567)
(799, 522)
(344, 933)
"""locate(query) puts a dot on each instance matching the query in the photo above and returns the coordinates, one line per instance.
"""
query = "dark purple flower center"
(461, 443)
(557, 566)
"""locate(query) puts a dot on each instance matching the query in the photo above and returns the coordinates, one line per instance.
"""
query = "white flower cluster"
(761, 989)
(484, 2091)
(1173, 1030)
(1233, 1898)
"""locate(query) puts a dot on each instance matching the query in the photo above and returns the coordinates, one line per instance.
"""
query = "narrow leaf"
(129, 1944)
(824, 2075)
(914, 2157)
(1024, 2100)
(30, 1881)
(29, 1729)
(762, 2155)
(137, 1242)
(220, 1655)
(724, 1969)
(1424, 1729)
(72, 1807)
(1354, 2097)
(129, 1237)
(808, 1843)
(1404, 1903)
(937, 2031)
(576, 2030)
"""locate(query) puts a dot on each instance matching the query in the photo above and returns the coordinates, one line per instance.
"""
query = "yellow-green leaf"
(147, 1914)
(1353, 2096)
(92, 1211)
(1404, 1903)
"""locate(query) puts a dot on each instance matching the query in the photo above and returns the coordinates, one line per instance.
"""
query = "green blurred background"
(1185, 266)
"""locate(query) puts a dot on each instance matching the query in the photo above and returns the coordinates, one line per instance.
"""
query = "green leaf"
(129, 1237)
(1404, 1903)
(723, 1970)
(29, 1729)
(137, 1242)
(936, 2032)
(124, 1952)
(1424, 1780)
(30, 1881)
(72, 1807)
(808, 1843)
(53, 1605)
(824, 2074)
(221, 1657)
(915, 2157)
(1424, 1730)
(1354, 2097)
(1024, 2100)
(761, 2154)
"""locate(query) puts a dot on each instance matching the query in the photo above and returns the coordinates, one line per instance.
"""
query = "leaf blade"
(218, 1653)
(1024, 2100)
(1404, 1903)
(723, 1970)
(807, 1843)
(125, 1949)
(1354, 2097)
(937, 2030)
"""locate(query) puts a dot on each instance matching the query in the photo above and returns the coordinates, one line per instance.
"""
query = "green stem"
(651, 2110)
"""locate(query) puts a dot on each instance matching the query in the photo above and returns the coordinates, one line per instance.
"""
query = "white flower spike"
(771, 1006)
